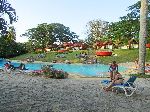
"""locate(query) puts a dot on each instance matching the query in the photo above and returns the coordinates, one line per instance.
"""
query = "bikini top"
(113, 67)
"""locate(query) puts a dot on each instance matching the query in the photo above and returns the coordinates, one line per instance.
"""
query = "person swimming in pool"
(113, 69)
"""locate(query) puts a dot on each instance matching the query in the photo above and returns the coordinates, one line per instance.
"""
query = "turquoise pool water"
(86, 69)
(30, 66)
(83, 69)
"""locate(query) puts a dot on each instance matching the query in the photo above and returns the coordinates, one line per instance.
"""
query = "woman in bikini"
(118, 79)
(113, 69)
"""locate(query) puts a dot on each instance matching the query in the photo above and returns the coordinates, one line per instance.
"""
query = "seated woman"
(67, 62)
(118, 79)
(22, 67)
(30, 59)
(8, 65)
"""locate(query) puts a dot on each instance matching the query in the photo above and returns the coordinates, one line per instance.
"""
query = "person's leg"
(114, 74)
(110, 86)
(7, 71)
(112, 83)
(111, 75)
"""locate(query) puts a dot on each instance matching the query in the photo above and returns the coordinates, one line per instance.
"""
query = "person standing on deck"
(113, 69)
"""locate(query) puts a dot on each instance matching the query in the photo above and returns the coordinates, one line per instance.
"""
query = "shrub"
(59, 74)
(50, 72)
(140, 76)
(36, 73)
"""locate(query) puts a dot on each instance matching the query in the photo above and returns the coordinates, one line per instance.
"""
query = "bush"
(36, 73)
(50, 72)
(140, 76)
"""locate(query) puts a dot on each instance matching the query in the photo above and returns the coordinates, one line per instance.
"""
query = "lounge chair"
(129, 87)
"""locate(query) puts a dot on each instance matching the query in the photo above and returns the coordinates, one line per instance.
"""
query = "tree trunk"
(143, 35)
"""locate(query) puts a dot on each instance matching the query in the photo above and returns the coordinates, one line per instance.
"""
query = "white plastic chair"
(129, 87)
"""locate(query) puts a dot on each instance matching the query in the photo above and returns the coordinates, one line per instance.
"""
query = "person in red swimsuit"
(113, 69)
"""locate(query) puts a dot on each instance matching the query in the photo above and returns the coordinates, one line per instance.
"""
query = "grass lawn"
(123, 55)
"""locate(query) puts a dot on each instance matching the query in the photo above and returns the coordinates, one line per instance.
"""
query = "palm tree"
(143, 35)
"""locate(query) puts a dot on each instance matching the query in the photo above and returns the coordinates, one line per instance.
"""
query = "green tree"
(47, 34)
(9, 48)
(135, 11)
(143, 35)
(128, 27)
(96, 30)
(11, 34)
(63, 34)
(5, 8)
(7, 43)
(40, 36)
(124, 29)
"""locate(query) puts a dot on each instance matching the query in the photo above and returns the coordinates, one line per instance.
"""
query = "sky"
(74, 14)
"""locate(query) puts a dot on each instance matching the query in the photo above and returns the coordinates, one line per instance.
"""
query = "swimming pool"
(86, 69)
(30, 66)
(83, 69)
